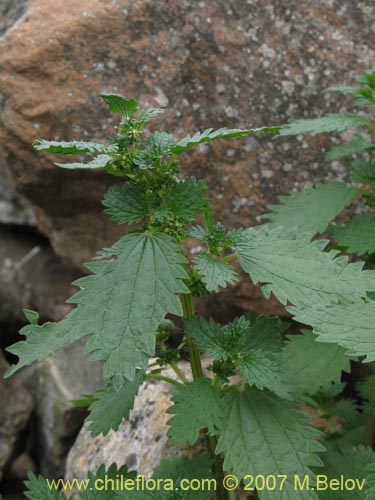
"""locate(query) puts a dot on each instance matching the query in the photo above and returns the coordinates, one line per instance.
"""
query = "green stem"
(178, 371)
(221, 492)
(155, 363)
(369, 433)
(174, 366)
(195, 357)
(151, 376)
(196, 367)
(232, 495)
(371, 128)
(228, 258)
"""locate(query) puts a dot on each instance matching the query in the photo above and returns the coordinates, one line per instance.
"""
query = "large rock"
(15, 411)
(211, 63)
(54, 384)
(14, 209)
(140, 443)
(31, 276)
(10, 12)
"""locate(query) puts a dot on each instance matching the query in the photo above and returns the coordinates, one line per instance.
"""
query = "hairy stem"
(196, 367)
(369, 432)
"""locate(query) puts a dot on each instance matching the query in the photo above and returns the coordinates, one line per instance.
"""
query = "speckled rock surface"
(54, 384)
(14, 209)
(211, 63)
(140, 443)
(10, 12)
(15, 412)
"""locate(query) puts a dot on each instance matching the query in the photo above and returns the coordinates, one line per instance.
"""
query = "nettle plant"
(358, 236)
(249, 403)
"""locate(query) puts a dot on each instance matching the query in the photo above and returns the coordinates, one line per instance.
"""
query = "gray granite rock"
(53, 384)
(15, 411)
(140, 443)
(10, 12)
(14, 208)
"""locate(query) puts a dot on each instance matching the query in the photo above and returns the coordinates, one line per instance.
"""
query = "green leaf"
(215, 273)
(129, 297)
(242, 335)
(297, 270)
(148, 495)
(44, 340)
(348, 325)
(103, 477)
(180, 468)
(366, 389)
(344, 89)
(265, 333)
(199, 233)
(120, 306)
(31, 316)
(348, 412)
(370, 481)
(349, 463)
(222, 133)
(145, 115)
(112, 405)
(363, 96)
(367, 79)
(120, 104)
(357, 145)
(363, 171)
(157, 147)
(38, 489)
(74, 147)
(100, 161)
(196, 406)
(126, 204)
(313, 365)
(251, 343)
(265, 371)
(263, 434)
(351, 437)
(208, 336)
(213, 235)
(84, 402)
(311, 209)
(327, 123)
(358, 236)
(186, 199)
(172, 472)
